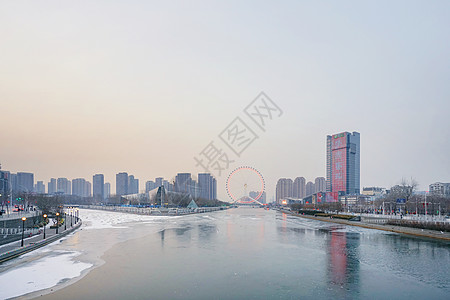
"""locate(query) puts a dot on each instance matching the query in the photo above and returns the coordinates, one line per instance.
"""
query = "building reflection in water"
(343, 261)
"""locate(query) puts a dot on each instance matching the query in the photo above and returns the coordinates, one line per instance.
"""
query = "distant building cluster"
(14, 184)
(342, 169)
(342, 182)
(298, 189)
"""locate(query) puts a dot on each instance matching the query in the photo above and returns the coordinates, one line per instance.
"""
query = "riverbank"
(423, 233)
(14, 249)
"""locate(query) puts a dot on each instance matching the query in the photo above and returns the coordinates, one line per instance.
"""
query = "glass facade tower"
(343, 163)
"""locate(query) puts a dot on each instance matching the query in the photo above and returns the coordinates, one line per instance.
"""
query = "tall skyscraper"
(107, 190)
(122, 184)
(299, 188)
(13, 181)
(98, 182)
(88, 189)
(158, 181)
(207, 185)
(309, 188)
(5, 187)
(183, 183)
(25, 182)
(167, 185)
(63, 186)
(283, 190)
(79, 187)
(149, 185)
(40, 187)
(343, 163)
(320, 185)
(51, 186)
(133, 185)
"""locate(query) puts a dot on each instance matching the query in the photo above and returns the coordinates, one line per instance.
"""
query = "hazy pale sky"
(143, 86)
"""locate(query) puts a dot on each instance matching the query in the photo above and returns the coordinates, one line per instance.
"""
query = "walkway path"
(434, 234)
(14, 249)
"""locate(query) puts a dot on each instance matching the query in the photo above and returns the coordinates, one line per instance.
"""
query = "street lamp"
(23, 229)
(57, 222)
(45, 218)
(65, 220)
(71, 217)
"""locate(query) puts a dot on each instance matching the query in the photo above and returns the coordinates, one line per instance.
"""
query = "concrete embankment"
(423, 233)
(33, 244)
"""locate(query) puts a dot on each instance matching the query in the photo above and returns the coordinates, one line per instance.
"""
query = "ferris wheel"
(245, 185)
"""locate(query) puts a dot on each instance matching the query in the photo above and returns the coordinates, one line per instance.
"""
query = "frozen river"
(242, 253)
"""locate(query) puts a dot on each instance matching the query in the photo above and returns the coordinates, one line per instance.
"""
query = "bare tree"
(47, 203)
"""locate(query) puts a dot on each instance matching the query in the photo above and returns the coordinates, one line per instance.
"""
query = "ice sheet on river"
(106, 219)
(57, 263)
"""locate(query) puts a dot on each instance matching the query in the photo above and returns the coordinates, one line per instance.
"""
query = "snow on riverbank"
(41, 274)
(58, 264)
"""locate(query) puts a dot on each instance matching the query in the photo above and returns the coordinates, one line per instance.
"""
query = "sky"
(143, 87)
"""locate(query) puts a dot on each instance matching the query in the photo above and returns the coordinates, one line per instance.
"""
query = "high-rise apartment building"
(39, 188)
(88, 189)
(133, 185)
(158, 181)
(107, 190)
(81, 187)
(52, 186)
(343, 163)
(320, 185)
(63, 186)
(183, 183)
(98, 191)
(25, 182)
(299, 188)
(168, 186)
(309, 188)
(5, 185)
(149, 185)
(122, 184)
(13, 182)
(283, 189)
(207, 185)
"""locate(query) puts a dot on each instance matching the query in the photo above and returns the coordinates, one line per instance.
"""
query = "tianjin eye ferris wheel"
(245, 185)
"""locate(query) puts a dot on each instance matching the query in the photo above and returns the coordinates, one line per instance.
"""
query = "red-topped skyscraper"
(343, 164)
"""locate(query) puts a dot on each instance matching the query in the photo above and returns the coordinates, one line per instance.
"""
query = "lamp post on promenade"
(57, 222)
(45, 219)
(23, 229)
(65, 220)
